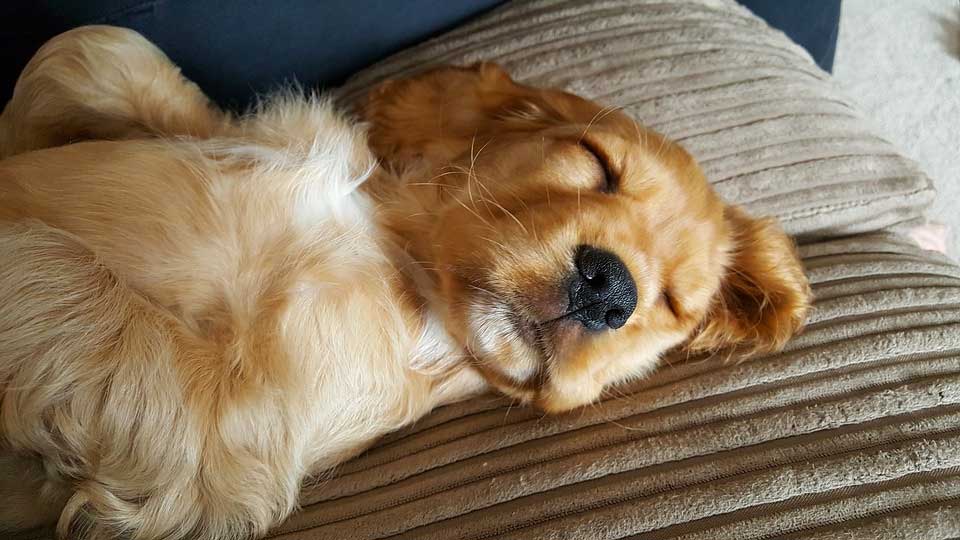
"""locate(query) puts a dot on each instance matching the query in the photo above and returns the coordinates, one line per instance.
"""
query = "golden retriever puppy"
(201, 311)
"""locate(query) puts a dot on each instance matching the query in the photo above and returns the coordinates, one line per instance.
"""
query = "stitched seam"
(817, 210)
(646, 83)
(850, 181)
(699, 114)
(762, 120)
(802, 162)
(759, 48)
(824, 139)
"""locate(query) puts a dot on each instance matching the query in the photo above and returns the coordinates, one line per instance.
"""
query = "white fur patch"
(492, 333)
(435, 350)
(326, 156)
(489, 327)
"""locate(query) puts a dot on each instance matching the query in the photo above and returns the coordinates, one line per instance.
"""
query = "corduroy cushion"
(852, 432)
(767, 125)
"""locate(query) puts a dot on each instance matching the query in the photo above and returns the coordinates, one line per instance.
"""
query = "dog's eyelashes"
(610, 181)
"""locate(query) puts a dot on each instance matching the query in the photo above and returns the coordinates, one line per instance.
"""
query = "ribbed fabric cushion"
(853, 432)
(768, 126)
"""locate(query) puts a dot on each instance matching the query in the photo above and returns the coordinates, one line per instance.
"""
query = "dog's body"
(200, 311)
(234, 293)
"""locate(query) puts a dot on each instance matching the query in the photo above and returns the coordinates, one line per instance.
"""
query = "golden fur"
(202, 311)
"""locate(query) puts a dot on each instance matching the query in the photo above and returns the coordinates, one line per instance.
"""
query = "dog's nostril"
(615, 318)
(602, 292)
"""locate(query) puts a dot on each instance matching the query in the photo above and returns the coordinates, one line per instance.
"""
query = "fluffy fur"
(202, 311)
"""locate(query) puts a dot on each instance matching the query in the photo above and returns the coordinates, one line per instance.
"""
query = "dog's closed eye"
(609, 181)
(670, 302)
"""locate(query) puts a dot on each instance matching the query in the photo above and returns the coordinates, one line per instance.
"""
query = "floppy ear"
(439, 114)
(764, 294)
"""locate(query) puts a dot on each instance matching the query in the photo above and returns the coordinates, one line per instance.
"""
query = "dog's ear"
(437, 115)
(764, 294)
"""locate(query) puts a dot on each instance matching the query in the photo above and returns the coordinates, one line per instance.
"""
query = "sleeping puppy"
(200, 311)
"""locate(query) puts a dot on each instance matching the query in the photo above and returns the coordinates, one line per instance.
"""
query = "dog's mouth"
(522, 335)
(531, 331)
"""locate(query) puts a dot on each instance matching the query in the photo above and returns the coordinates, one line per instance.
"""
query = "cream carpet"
(900, 61)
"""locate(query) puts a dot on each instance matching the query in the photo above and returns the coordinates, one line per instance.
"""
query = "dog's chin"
(531, 332)
(508, 345)
(515, 352)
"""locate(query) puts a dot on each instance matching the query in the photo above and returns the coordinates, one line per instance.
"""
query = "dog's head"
(573, 246)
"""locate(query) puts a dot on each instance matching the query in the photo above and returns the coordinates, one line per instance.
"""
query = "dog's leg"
(102, 82)
(124, 405)
(64, 317)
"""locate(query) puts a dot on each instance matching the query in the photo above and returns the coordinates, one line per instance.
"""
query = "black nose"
(602, 293)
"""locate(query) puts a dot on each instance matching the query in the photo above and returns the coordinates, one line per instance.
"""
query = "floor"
(900, 60)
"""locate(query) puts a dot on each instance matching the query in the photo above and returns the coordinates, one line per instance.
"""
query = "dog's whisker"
(600, 115)
(485, 199)
(663, 144)
(481, 289)
(474, 156)
(474, 212)
(456, 171)
(510, 215)
(640, 141)
(492, 241)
